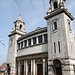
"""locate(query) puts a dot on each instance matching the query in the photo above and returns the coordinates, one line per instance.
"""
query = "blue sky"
(32, 13)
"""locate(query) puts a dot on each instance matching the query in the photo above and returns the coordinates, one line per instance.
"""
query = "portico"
(36, 65)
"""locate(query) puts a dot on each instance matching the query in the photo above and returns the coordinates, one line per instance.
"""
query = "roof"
(19, 19)
(38, 30)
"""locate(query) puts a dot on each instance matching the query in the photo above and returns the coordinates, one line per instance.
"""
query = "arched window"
(20, 27)
(54, 26)
(55, 5)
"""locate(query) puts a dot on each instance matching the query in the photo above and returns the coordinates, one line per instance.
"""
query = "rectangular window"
(45, 38)
(29, 42)
(18, 45)
(21, 44)
(54, 47)
(59, 46)
(40, 39)
(25, 43)
(34, 40)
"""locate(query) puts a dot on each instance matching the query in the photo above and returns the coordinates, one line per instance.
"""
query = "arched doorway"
(57, 67)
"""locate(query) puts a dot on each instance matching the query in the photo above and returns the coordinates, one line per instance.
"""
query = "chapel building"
(44, 51)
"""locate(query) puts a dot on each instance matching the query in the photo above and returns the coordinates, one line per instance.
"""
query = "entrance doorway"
(57, 67)
(39, 69)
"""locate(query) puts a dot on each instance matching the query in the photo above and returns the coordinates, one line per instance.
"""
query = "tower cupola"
(19, 26)
(55, 4)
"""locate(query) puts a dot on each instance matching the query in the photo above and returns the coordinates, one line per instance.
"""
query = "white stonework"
(44, 51)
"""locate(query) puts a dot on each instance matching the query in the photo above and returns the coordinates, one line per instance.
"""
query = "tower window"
(55, 26)
(20, 27)
(59, 46)
(54, 47)
(55, 5)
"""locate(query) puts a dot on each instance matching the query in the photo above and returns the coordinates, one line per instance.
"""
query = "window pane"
(39, 39)
(25, 43)
(55, 5)
(18, 45)
(45, 38)
(21, 44)
(34, 40)
(55, 25)
(29, 42)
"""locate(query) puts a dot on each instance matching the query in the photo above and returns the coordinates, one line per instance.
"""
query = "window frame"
(55, 4)
(53, 27)
(40, 39)
(34, 40)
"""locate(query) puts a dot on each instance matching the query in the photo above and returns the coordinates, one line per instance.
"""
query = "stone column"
(43, 38)
(23, 44)
(24, 67)
(43, 66)
(19, 68)
(33, 67)
(31, 41)
(37, 40)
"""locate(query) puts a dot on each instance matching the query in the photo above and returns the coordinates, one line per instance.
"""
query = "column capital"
(43, 60)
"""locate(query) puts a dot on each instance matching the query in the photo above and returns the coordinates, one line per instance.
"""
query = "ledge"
(58, 11)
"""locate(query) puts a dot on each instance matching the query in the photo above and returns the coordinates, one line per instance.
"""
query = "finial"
(19, 14)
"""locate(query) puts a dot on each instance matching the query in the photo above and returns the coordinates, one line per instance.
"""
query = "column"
(24, 67)
(43, 66)
(31, 41)
(23, 44)
(37, 39)
(19, 67)
(43, 38)
(33, 67)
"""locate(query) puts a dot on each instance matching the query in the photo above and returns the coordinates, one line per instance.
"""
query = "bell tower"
(55, 4)
(61, 45)
(19, 26)
(17, 31)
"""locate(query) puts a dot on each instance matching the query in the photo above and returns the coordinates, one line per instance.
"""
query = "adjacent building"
(44, 51)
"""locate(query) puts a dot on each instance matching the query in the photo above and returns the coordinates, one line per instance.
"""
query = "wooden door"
(58, 71)
(39, 69)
